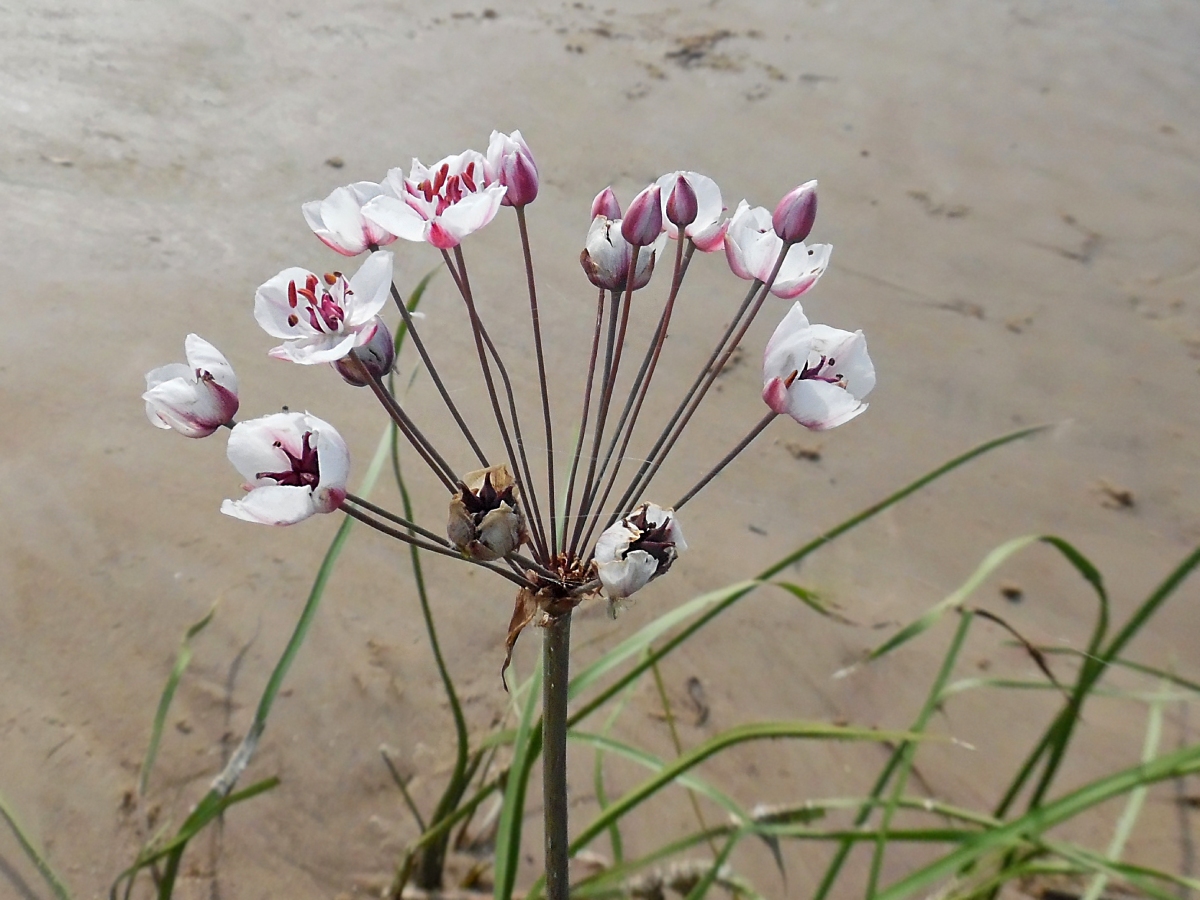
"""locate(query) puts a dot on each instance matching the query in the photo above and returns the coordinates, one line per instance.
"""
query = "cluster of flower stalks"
(569, 526)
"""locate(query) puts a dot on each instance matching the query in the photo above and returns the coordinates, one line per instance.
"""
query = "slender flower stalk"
(411, 326)
(536, 319)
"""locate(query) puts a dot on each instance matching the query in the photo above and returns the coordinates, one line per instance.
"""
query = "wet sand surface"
(1012, 192)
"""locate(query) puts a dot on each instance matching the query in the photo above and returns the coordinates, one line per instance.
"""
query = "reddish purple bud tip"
(643, 222)
(606, 205)
(521, 177)
(795, 214)
(682, 206)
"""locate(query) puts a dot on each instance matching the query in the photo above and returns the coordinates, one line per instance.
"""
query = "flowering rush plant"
(607, 540)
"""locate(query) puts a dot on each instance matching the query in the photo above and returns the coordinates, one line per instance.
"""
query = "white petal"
(473, 211)
(167, 372)
(320, 348)
(396, 217)
(183, 405)
(332, 454)
(613, 542)
(788, 349)
(820, 406)
(272, 309)
(252, 449)
(804, 265)
(371, 286)
(622, 578)
(204, 357)
(275, 504)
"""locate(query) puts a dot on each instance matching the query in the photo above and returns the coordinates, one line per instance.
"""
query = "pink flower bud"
(606, 205)
(795, 214)
(682, 206)
(643, 223)
(378, 354)
(510, 163)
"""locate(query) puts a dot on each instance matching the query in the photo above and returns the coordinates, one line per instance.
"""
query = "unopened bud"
(643, 223)
(795, 214)
(510, 163)
(682, 206)
(377, 355)
(606, 205)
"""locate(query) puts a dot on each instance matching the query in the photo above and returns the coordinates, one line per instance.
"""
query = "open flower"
(440, 205)
(816, 374)
(510, 163)
(338, 220)
(294, 464)
(637, 549)
(707, 229)
(195, 399)
(752, 247)
(323, 319)
(485, 516)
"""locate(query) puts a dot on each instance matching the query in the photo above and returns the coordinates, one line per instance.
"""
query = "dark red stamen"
(305, 471)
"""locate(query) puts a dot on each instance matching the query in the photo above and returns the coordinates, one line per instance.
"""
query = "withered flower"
(485, 514)
(636, 549)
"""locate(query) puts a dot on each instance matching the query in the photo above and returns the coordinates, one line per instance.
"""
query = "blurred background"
(1013, 197)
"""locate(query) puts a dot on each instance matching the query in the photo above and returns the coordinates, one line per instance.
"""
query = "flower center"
(444, 189)
(324, 313)
(305, 471)
(822, 371)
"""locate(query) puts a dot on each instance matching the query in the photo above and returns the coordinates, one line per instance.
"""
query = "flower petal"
(276, 504)
(371, 286)
(804, 265)
(273, 310)
(396, 217)
(622, 578)
(204, 357)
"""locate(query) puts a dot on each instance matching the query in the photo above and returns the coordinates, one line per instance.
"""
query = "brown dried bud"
(485, 515)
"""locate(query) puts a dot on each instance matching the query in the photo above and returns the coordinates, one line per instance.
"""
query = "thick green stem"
(556, 646)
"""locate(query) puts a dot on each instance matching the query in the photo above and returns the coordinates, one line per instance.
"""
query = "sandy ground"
(1012, 191)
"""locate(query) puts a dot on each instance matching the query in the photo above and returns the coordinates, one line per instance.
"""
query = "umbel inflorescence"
(565, 527)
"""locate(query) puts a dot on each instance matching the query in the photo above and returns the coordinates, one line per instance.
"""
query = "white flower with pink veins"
(323, 319)
(441, 204)
(752, 248)
(338, 220)
(816, 374)
(195, 399)
(295, 466)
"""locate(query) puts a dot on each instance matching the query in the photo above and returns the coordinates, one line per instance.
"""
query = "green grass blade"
(933, 615)
(641, 641)
(729, 738)
(614, 833)
(1133, 806)
(31, 850)
(508, 835)
(656, 764)
(908, 748)
(1037, 821)
(705, 884)
(1058, 735)
(182, 659)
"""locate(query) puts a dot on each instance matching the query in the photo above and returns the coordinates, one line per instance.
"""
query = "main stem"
(556, 645)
